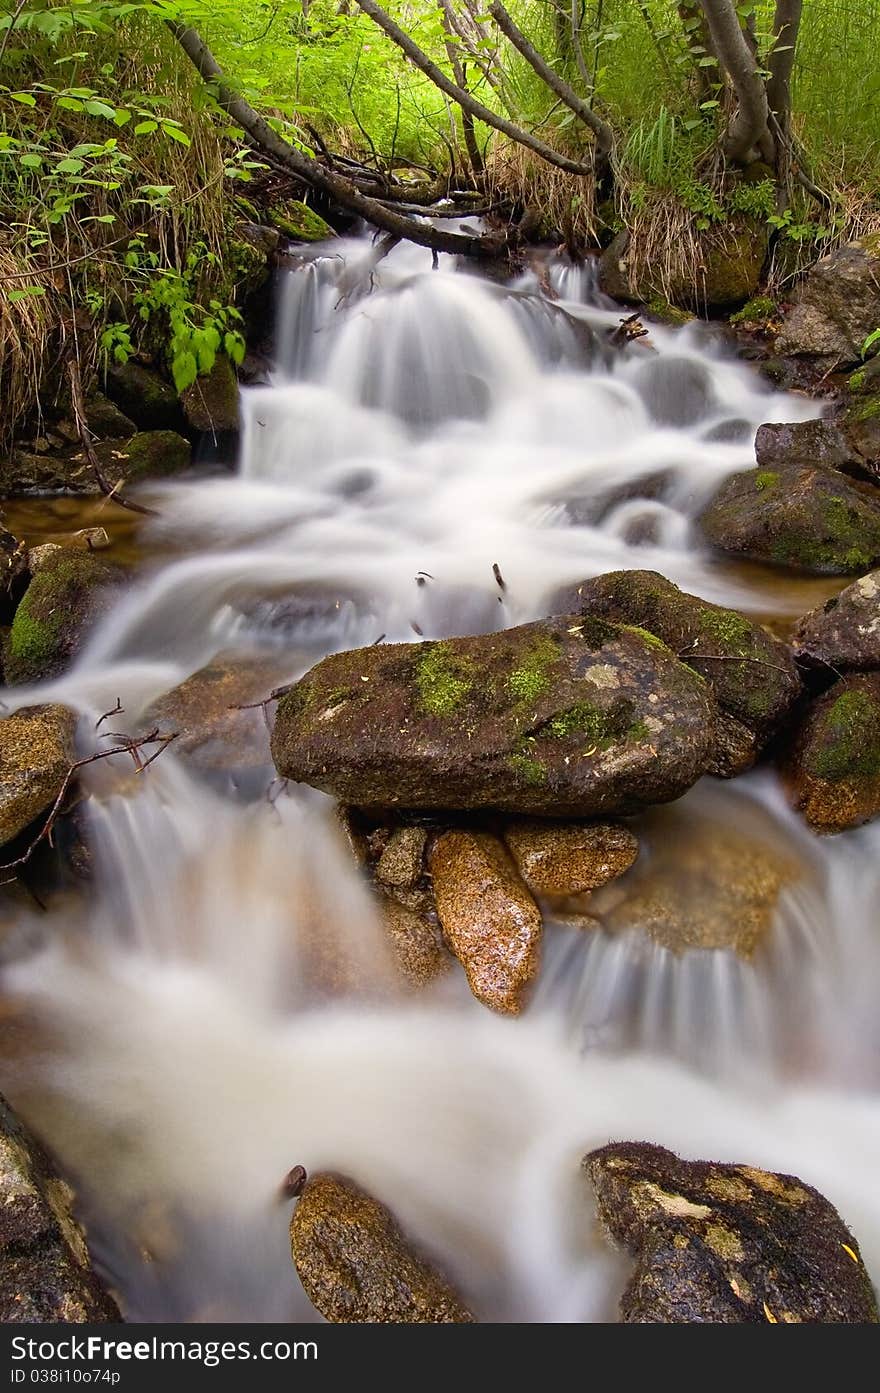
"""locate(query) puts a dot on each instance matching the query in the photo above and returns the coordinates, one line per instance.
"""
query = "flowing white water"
(226, 1009)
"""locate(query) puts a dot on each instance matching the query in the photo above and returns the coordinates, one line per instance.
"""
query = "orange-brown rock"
(566, 858)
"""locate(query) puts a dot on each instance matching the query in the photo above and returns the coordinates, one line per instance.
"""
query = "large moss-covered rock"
(356, 1265)
(844, 633)
(834, 767)
(558, 859)
(144, 396)
(836, 306)
(298, 222)
(211, 403)
(753, 674)
(815, 519)
(569, 716)
(36, 751)
(45, 1269)
(725, 1244)
(729, 271)
(64, 599)
(149, 454)
(489, 918)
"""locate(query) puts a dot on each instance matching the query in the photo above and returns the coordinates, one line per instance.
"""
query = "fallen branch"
(129, 746)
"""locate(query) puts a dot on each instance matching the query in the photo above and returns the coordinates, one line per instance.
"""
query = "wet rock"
(66, 596)
(732, 258)
(13, 572)
(402, 860)
(211, 403)
(836, 306)
(833, 770)
(844, 633)
(861, 425)
(676, 391)
(816, 520)
(559, 858)
(144, 396)
(726, 1244)
(211, 732)
(106, 421)
(356, 1265)
(150, 454)
(489, 919)
(262, 239)
(703, 886)
(805, 443)
(298, 222)
(24, 474)
(571, 716)
(736, 748)
(36, 751)
(753, 675)
(45, 1269)
(413, 927)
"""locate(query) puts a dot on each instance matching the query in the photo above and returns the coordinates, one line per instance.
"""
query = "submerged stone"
(833, 770)
(205, 712)
(814, 519)
(753, 674)
(561, 859)
(844, 633)
(569, 716)
(36, 752)
(358, 1267)
(489, 918)
(726, 1244)
(45, 1269)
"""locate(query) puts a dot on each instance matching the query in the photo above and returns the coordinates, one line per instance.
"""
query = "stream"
(174, 1044)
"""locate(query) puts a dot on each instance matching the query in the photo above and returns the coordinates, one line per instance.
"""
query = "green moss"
(661, 309)
(726, 627)
(532, 678)
(31, 639)
(442, 686)
(529, 769)
(848, 739)
(300, 223)
(639, 730)
(766, 479)
(756, 311)
(647, 637)
(862, 411)
(856, 380)
(595, 632)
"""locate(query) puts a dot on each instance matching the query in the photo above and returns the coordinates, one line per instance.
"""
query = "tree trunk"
(786, 25)
(749, 128)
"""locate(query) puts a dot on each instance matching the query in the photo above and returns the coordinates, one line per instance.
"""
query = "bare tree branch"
(786, 25)
(601, 130)
(464, 99)
(749, 127)
(341, 190)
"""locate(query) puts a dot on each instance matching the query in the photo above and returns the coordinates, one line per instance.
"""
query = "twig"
(275, 695)
(496, 571)
(118, 710)
(686, 654)
(131, 747)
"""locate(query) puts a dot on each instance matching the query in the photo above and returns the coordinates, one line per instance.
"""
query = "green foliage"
(871, 343)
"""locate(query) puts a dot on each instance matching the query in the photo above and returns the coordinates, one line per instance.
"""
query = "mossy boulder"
(144, 396)
(572, 716)
(64, 599)
(25, 473)
(833, 769)
(150, 454)
(844, 633)
(358, 1267)
(211, 403)
(805, 517)
(753, 675)
(489, 918)
(728, 272)
(46, 1273)
(726, 1244)
(36, 752)
(821, 443)
(298, 222)
(836, 306)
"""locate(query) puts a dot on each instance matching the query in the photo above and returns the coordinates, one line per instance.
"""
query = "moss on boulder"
(64, 598)
(298, 222)
(144, 396)
(211, 403)
(570, 716)
(800, 516)
(36, 752)
(833, 770)
(726, 1244)
(753, 675)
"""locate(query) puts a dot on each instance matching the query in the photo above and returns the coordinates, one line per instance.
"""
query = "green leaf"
(25, 292)
(24, 98)
(69, 166)
(31, 161)
(176, 134)
(70, 103)
(146, 127)
(184, 370)
(122, 116)
(96, 108)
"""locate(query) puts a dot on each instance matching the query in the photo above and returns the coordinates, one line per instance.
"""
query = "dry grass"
(562, 202)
